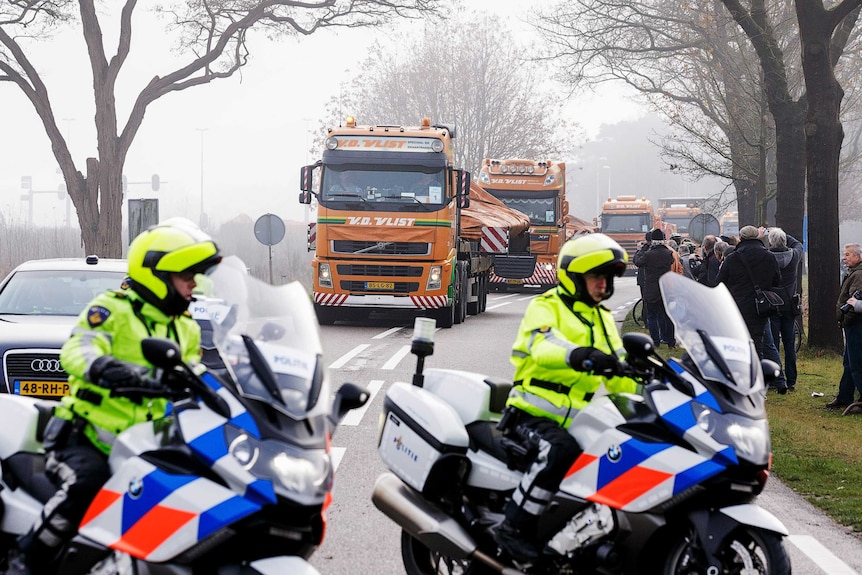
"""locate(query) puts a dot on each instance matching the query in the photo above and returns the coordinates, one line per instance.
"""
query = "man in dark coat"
(787, 251)
(735, 275)
(708, 272)
(656, 261)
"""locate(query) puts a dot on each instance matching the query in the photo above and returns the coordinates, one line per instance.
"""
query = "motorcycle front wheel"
(746, 551)
(419, 560)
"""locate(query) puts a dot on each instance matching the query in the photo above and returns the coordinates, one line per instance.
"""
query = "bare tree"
(213, 39)
(499, 102)
(824, 34)
(694, 66)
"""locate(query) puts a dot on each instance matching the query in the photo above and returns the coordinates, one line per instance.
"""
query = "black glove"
(110, 372)
(144, 387)
(595, 361)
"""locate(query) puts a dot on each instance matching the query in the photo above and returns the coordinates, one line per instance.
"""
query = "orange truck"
(536, 188)
(680, 215)
(627, 219)
(395, 228)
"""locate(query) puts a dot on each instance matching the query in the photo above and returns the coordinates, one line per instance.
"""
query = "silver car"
(40, 301)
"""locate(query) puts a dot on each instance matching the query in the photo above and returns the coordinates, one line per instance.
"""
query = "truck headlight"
(484, 178)
(435, 278)
(324, 277)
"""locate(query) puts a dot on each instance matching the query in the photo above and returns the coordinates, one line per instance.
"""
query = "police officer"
(567, 346)
(110, 381)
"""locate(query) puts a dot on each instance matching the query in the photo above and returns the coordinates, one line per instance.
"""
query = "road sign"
(269, 229)
(703, 225)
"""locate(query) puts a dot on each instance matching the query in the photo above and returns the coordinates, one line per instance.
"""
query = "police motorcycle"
(235, 481)
(666, 482)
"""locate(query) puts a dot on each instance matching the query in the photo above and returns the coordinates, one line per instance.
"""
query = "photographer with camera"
(849, 314)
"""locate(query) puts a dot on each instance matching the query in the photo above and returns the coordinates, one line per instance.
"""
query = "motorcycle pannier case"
(418, 429)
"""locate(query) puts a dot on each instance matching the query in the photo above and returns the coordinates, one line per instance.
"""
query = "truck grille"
(400, 287)
(378, 248)
(375, 270)
(33, 366)
(514, 267)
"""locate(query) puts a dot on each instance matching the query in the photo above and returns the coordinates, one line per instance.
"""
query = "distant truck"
(627, 219)
(729, 224)
(680, 215)
(536, 188)
(395, 228)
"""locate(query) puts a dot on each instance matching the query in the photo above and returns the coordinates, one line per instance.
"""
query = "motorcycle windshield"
(253, 323)
(713, 332)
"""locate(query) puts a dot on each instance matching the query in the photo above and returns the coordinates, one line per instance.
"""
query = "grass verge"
(816, 452)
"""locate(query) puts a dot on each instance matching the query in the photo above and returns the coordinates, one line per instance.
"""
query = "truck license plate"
(514, 282)
(41, 388)
(380, 285)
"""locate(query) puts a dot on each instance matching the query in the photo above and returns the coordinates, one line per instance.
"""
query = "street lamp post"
(599, 168)
(203, 215)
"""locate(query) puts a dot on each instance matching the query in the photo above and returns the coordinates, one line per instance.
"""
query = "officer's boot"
(516, 534)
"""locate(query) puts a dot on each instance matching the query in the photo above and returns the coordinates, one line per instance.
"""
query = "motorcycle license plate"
(380, 285)
(41, 388)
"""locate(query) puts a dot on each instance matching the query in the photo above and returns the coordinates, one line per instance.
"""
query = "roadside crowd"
(758, 260)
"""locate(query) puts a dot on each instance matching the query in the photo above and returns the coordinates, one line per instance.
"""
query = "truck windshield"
(373, 188)
(626, 223)
(681, 222)
(540, 210)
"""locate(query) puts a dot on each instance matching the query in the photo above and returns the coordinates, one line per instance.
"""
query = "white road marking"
(395, 359)
(336, 454)
(507, 296)
(526, 298)
(349, 355)
(498, 305)
(818, 553)
(354, 417)
(387, 333)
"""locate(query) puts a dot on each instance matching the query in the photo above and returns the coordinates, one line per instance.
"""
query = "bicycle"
(639, 314)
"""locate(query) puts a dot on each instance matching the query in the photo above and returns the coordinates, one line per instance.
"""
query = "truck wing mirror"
(304, 197)
(463, 182)
(306, 180)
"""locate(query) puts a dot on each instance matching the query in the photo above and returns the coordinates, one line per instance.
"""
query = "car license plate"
(380, 285)
(515, 282)
(41, 388)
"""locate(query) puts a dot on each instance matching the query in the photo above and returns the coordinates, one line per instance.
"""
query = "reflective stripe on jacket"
(114, 323)
(546, 385)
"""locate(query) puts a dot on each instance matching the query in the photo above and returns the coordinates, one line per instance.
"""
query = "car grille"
(38, 365)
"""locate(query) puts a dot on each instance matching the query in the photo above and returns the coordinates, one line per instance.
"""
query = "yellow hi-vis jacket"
(545, 383)
(114, 323)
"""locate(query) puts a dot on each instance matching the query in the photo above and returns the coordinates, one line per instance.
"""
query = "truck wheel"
(483, 291)
(475, 307)
(445, 316)
(461, 294)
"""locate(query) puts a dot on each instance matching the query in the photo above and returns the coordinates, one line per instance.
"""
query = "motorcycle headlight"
(303, 474)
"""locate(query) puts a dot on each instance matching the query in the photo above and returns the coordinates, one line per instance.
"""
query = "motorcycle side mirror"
(161, 352)
(271, 331)
(638, 346)
(771, 371)
(349, 396)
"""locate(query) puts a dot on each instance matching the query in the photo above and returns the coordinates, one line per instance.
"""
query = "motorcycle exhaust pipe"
(428, 524)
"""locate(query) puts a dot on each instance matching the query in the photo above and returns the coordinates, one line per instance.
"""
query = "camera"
(847, 307)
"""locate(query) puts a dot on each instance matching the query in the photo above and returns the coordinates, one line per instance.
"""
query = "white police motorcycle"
(235, 482)
(666, 482)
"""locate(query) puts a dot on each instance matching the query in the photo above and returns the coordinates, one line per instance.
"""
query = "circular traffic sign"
(269, 229)
(703, 225)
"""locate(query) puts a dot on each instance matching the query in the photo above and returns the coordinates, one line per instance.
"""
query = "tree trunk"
(790, 165)
(824, 137)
